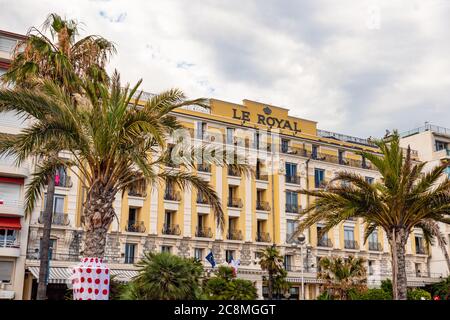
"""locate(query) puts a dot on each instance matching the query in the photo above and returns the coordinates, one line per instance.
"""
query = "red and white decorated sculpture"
(90, 280)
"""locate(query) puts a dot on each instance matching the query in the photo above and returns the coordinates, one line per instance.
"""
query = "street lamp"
(301, 240)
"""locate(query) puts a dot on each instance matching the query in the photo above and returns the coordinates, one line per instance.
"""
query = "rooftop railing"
(427, 127)
(343, 137)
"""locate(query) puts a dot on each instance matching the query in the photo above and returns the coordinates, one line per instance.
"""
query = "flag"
(210, 258)
(234, 265)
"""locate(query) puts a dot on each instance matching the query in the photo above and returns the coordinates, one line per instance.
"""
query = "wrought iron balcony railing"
(293, 208)
(203, 232)
(234, 234)
(293, 179)
(172, 196)
(59, 219)
(173, 230)
(326, 243)
(263, 237)
(63, 181)
(351, 244)
(262, 176)
(375, 246)
(202, 200)
(234, 203)
(233, 172)
(421, 250)
(262, 205)
(135, 226)
(204, 167)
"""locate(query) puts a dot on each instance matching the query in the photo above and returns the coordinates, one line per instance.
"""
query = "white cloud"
(357, 67)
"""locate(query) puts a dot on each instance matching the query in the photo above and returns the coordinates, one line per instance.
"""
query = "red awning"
(10, 223)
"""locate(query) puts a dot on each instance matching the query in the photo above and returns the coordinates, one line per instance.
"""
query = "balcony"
(234, 203)
(375, 246)
(135, 226)
(11, 207)
(324, 243)
(172, 196)
(204, 167)
(263, 237)
(58, 219)
(233, 172)
(351, 244)
(173, 230)
(203, 232)
(443, 154)
(262, 206)
(295, 151)
(234, 234)
(293, 208)
(137, 191)
(63, 181)
(421, 250)
(7, 165)
(293, 179)
(321, 184)
(202, 200)
(262, 176)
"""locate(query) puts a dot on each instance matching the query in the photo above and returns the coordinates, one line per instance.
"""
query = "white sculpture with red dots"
(90, 280)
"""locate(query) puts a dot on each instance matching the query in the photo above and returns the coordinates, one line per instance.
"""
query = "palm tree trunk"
(270, 286)
(98, 215)
(399, 264)
(45, 241)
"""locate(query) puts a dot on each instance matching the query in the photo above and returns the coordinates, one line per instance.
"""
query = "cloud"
(356, 67)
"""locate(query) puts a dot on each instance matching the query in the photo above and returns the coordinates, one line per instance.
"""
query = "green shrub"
(374, 294)
(418, 294)
(324, 296)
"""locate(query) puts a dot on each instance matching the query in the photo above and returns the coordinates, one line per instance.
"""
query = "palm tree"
(404, 199)
(225, 286)
(64, 61)
(163, 276)
(342, 275)
(272, 262)
(113, 143)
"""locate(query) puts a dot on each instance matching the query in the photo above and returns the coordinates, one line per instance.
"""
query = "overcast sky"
(357, 67)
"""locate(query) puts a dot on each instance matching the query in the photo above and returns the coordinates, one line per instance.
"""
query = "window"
(419, 244)
(417, 268)
(371, 264)
(167, 249)
(284, 145)
(440, 145)
(132, 215)
(8, 238)
(130, 250)
(230, 135)
(373, 237)
(314, 152)
(369, 180)
(291, 227)
(58, 204)
(322, 241)
(201, 130)
(229, 255)
(288, 262)
(9, 192)
(198, 254)
(319, 176)
(341, 156)
(6, 269)
(257, 140)
(291, 201)
(168, 219)
(291, 169)
(349, 238)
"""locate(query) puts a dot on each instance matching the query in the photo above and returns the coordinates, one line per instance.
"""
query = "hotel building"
(287, 154)
(433, 146)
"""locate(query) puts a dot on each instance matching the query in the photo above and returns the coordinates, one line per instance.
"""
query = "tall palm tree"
(404, 199)
(112, 141)
(342, 275)
(163, 276)
(272, 262)
(65, 61)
